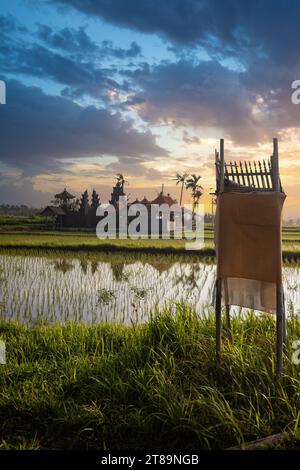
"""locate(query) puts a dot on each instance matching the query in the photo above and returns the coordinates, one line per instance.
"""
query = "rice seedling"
(93, 287)
(105, 296)
(57, 287)
(139, 293)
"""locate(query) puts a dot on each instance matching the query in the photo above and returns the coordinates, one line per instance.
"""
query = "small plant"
(63, 266)
(139, 293)
(105, 296)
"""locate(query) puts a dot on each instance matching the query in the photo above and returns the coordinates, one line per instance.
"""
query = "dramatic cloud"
(226, 27)
(188, 139)
(81, 77)
(200, 95)
(8, 24)
(249, 107)
(182, 21)
(78, 42)
(249, 97)
(68, 39)
(39, 131)
(69, 58)
(108, 50)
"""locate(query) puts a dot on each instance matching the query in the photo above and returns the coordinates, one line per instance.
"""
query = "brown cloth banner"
(248, 248)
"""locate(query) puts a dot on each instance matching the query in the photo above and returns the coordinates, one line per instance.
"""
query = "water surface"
(44, 289)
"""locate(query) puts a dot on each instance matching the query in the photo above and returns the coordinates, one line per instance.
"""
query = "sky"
(145, 88)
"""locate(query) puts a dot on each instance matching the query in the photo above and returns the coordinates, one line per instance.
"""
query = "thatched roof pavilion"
(64, 195)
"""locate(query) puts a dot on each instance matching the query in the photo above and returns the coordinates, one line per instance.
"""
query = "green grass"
(22, 220)
(114, 258)
(156, 385)
(89, 242)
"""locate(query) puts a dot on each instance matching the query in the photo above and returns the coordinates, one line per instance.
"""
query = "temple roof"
(64, 195)
(164, 199)
(51, 211)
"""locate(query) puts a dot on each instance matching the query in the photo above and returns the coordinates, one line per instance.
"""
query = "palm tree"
(192, 183)
(197, 195)
(181, 179)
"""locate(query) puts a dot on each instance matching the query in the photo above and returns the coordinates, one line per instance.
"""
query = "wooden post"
(221, 189)
(217, 170)
(218, 317)
(279, 329)
(284, 330)
(219, 281)
(229, 336)
(276, 183)
(284, 322)
(280, 314)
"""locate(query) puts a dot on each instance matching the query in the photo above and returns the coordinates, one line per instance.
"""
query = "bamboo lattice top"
(247, 176)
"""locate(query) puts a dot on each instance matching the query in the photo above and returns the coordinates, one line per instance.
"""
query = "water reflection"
(63, 265)
(40, 289)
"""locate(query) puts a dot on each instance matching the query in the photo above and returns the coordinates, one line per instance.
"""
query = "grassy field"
(22, 220)
(156, 385)
(89, 242)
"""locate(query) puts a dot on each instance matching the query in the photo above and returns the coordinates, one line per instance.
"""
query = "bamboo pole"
(229, 335)
(261, 175)
(217, 170)
(242, 174)
(237, 173)
(284, 322)
(251, 175)
(266, 175)
(256, 175)
(280, 314)
(218, 318)
(279, 330)
(275, 165)
(221, 165)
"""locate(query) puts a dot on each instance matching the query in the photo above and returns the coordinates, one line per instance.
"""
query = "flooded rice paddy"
(116, 288)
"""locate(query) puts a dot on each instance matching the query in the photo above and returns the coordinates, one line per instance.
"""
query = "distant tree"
(197, 195)
(95, 199)
(84, 204)
(192, 183)
(181, 179)
(7, 209)
(74, 205)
